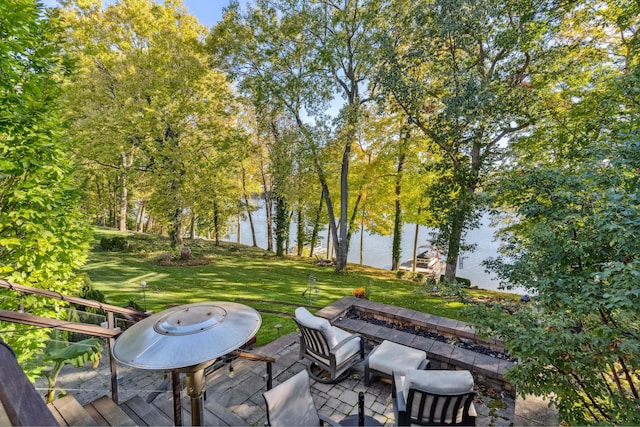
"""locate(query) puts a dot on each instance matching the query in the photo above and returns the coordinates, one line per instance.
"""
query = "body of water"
(377, 249)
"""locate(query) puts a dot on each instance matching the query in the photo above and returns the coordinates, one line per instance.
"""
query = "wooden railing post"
(22, 403)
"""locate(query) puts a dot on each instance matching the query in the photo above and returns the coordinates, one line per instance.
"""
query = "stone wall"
(488, 371)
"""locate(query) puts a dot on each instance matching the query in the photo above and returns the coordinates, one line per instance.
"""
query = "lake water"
(377, 249)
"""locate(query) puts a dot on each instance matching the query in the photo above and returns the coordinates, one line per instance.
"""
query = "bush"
(89, 292)
(116, 243)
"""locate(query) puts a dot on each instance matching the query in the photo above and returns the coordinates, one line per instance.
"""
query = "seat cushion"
(389, 357)
(349, 349)
(291, 404)
(441, 382)
(310, 321)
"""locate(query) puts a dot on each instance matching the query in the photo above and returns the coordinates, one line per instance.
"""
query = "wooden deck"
(135, 412)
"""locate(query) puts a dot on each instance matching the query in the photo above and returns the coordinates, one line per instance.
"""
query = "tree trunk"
(268, 210)
(140, 217)
(267, 207)
(415, 242)
(282, 229)
(455, 237)
(122, 226)
(341, 243)
(239, 232)
(248, 208)
(300, 230)
(253, 228)
(216, 224)
(362, 238)
(329, 247)
(316, 227)
(175, 228)
(397, 225)
(192, 232)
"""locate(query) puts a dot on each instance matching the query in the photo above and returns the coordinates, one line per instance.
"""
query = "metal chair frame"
(314, 345)
(426, 415)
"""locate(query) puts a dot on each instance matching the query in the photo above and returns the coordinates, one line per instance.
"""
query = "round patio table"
(187, 338)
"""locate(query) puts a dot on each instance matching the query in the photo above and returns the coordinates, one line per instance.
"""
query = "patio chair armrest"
(347, 340)
(424, 365)
(326, 420)
(396, 381)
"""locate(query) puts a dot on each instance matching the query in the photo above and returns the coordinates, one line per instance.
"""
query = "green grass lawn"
(274, 286)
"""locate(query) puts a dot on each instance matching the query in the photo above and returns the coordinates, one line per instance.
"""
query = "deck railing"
(23, 405)
(110, 332)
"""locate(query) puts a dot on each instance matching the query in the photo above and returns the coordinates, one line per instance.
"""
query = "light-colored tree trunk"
(415, 245)
(267, 206)
(122, 225)
(248, 208)
(316, 227)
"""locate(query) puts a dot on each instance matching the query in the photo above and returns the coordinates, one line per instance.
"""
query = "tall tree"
(149, 103)
(297, 56)
(461, 71)
(43, 238)
(573, 188)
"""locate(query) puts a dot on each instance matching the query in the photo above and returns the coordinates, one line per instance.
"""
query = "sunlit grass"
(272, 285)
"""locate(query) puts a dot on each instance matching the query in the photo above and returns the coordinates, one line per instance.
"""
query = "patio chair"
(433, 398)
(332, 351)
(290, 404)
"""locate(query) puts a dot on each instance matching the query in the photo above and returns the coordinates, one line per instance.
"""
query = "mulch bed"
(191, 262)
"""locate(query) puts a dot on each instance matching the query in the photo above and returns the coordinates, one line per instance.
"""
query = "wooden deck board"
(107, 413)
(69, 412)
(221, 417)
(144, 413)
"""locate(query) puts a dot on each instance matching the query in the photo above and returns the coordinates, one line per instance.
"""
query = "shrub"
(360, 292)
(116, 243)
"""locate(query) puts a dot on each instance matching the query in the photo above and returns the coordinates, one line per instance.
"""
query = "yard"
(273, 286)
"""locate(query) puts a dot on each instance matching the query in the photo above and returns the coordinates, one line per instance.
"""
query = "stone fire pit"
(488, 370)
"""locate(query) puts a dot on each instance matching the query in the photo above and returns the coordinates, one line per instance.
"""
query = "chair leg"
(323, 376)
(302, 349)
(367, 374)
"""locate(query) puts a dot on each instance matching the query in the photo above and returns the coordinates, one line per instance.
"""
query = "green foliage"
(152, 121)
(77, 354)
(463, 74)
(573, 239)
(576, 245)
(43, 238)
(116, 243)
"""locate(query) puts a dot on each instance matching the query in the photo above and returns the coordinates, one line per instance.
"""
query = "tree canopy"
(43, 237)
(353, 115)
(161, 122)
(571, 192)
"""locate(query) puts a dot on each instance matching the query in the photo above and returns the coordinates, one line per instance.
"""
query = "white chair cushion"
(389, 357)
(351, 348)
(441, 382)
(314, 322)
(309, 320)
(438, 381)
(291, 404)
